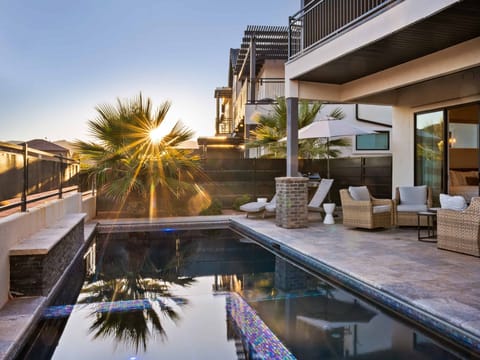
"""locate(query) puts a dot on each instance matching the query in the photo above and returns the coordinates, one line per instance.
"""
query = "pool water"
(212, 295)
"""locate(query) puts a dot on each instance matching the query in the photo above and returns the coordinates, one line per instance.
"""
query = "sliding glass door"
(429, 150)
(463, 150)
(447, 155)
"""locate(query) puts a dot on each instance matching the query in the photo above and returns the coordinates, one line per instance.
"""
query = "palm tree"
(273, 127)
(130, 157)
(128, 274)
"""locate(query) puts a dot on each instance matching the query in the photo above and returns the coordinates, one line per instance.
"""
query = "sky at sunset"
(61, 58)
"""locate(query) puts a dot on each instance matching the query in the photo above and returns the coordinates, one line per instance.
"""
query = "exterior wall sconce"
(451, 140)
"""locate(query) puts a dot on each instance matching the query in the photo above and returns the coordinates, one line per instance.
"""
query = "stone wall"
(19, 226)
(36, 274)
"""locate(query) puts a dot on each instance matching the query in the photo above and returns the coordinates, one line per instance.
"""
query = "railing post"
(289, 36)
(25, 178)
(60, 178)
(253, 70)
(94, 185)
(77, 173)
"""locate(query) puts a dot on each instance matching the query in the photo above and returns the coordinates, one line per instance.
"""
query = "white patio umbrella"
(329, 128)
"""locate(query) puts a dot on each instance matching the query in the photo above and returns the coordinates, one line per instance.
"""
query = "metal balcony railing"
(28, 175)
(266, 90)
(320, 20)
(225, 126)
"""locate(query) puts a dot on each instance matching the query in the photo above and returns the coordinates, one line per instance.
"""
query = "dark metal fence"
(228, 179)
(321, 20)
(28, 175)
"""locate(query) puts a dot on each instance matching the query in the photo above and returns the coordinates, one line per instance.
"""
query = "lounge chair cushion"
(270, 207)
(253, 207)
(453, 202)
(381, 209)
(413, 195)
(359, 193)
(411, 208)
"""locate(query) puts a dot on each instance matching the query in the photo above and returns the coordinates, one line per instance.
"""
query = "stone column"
(291, 206)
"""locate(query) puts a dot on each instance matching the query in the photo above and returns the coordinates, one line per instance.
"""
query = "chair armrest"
(376, 202)
(359, 207)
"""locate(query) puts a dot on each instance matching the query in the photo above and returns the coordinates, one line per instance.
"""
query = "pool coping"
(22, 313)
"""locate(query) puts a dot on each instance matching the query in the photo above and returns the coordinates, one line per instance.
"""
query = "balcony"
(337, 41)
(321, 20)
(266, 90)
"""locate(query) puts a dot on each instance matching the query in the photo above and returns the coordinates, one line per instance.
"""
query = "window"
(376, 141)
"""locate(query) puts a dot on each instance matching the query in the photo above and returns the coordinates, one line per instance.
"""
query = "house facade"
(421, 57)
(256, 77)
(256, 73)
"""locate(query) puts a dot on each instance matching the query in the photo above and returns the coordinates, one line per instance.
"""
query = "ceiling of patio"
(456, 24)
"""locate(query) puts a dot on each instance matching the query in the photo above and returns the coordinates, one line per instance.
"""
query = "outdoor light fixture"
(451, 139)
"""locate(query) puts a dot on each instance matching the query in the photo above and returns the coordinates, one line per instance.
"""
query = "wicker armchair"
(406, 212)
(367, 214)
(460, 230)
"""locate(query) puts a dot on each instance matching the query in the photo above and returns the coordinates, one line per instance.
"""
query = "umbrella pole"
(328, 159)
(328, 168)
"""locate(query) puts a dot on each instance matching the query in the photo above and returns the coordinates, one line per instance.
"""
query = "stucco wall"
(402, 147)
(19, 226)
(89, 207)
(273, 69)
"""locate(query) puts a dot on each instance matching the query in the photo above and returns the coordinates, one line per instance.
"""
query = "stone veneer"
(292, 198)
(35, 273)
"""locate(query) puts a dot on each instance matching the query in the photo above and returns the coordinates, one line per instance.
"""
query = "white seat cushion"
(411, 208)
(253, 207)
(270, 207)
(453, 202)
(359, 193)
(381, 209)
(413, 195)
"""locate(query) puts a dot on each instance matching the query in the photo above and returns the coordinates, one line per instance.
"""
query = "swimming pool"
(212, 295)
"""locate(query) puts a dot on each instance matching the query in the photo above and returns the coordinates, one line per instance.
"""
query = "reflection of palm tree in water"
(130, 275)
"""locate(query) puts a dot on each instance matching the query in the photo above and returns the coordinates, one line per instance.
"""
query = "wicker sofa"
(460, 230)
(415, 199)
(368, 214)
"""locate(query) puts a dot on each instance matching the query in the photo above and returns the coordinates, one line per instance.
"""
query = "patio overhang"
(457, 22)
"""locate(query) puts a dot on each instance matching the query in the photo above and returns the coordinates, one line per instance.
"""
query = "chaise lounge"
(260, 208)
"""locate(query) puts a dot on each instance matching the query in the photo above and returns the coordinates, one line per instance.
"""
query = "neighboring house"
(255, 79)
(260, 60)
(421, 57)
(50, 147)
(67, 151)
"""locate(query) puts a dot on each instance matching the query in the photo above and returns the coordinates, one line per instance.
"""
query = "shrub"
(239, 201)
(215, 208)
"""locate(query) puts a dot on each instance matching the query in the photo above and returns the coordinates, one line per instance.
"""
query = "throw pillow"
(453, 202)
(359, 193)
(472, 180)
(413, 195)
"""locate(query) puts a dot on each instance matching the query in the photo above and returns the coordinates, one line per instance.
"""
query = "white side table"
(329, 208)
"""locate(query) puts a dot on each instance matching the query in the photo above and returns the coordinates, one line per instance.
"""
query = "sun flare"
(156, 134)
